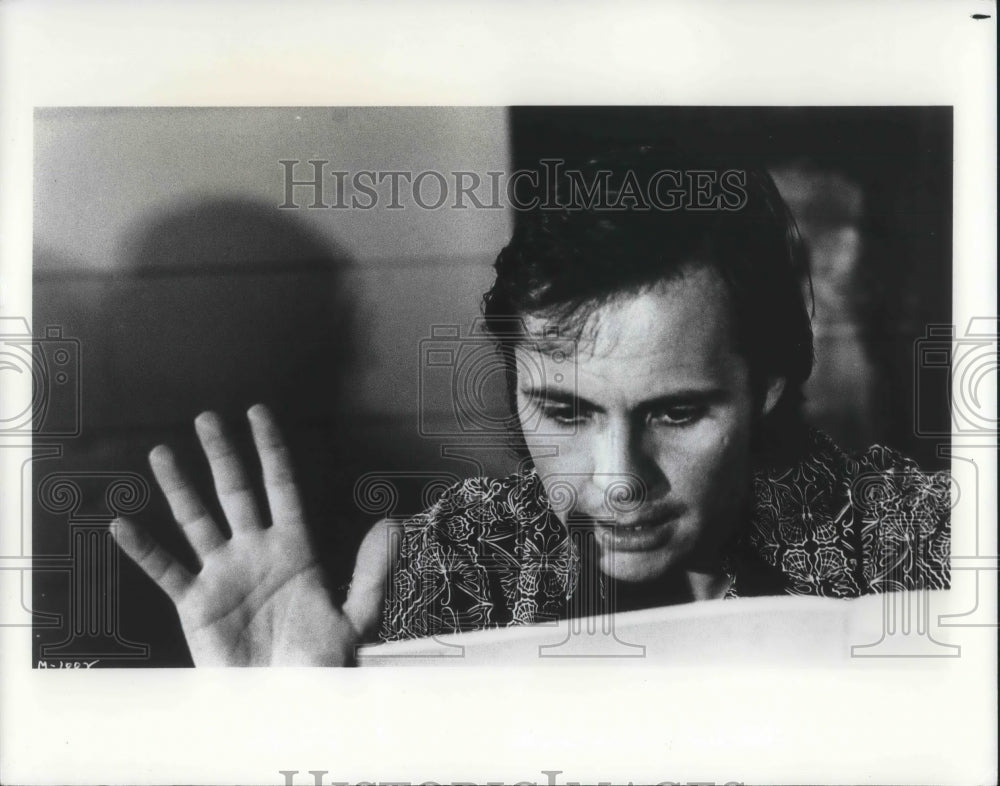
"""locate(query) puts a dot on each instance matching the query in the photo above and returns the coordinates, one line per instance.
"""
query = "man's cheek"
(712, 466)
(562, 482)
(566, 456)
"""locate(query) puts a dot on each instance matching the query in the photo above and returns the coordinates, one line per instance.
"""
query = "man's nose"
(623, 472)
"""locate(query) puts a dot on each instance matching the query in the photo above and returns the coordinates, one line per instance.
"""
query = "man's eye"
(563, 416)
(676, 416)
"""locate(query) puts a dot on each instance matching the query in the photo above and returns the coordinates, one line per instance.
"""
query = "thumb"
(372, 570)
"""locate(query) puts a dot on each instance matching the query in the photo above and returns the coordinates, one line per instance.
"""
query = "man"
(655, 349)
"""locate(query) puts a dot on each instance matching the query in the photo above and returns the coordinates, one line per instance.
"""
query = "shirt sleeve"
(905, 522)
(489, 553)
(442, 582)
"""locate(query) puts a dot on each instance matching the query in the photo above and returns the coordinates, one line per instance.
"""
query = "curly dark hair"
(573, 251)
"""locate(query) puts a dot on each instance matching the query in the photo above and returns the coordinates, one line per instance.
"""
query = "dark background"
(226, 301)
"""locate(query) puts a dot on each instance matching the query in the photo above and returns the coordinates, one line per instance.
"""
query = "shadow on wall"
(215, 305)
(226, 303)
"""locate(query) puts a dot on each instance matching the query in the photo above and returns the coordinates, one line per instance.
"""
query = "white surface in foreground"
(779, 629)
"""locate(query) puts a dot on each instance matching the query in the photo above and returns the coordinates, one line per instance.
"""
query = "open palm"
(259, 598)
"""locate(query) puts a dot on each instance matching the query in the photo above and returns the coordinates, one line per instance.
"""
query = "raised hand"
(259, 598)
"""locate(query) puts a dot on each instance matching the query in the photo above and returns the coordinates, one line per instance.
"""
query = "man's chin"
(636, 567)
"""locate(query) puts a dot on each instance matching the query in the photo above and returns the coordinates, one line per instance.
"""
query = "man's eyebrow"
(674, 398)
(557, 396)
(685, 396)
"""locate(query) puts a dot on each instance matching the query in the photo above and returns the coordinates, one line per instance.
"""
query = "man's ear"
(775, 387)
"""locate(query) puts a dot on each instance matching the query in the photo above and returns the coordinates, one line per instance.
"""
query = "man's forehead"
(677, 321)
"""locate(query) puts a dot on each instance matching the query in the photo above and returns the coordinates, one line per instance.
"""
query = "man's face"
(659, 402)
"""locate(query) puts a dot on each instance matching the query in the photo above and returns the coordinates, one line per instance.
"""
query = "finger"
(276, 462)
(372, 574)
(199, 527)
(232, 483)
(169, 575)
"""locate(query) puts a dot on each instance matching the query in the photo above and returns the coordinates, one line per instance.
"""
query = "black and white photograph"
(688, 374)
(560, 395)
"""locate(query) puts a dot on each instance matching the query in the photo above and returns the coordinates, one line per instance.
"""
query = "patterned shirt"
(492, 553)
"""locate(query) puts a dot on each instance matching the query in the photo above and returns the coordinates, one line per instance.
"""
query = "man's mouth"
(637, 535)
(633, 527)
